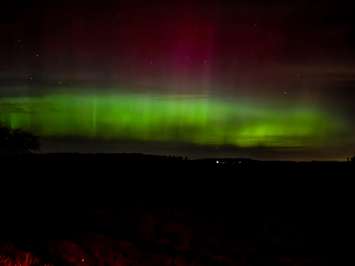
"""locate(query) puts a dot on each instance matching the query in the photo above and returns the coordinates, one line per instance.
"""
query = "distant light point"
(217, 162)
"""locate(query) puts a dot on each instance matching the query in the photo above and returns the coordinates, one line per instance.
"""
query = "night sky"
(196, 78)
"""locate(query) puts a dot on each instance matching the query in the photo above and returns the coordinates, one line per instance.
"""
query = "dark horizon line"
(174, 157)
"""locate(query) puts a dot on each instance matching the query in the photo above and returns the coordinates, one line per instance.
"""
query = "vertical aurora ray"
(170, 118)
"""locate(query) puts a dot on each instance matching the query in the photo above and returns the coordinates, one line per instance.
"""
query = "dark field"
(148, 210)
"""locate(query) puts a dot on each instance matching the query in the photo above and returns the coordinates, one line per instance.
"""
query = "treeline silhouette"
(17, 141)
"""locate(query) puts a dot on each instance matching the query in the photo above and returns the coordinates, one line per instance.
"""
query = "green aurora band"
(190, 119)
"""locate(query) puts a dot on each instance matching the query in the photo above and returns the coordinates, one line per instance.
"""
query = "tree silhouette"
(17, 141)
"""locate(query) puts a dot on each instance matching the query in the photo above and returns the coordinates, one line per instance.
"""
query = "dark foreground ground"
(147, 210)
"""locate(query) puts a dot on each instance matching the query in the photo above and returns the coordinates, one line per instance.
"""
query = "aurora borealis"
(211, 74)
(199, 120)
